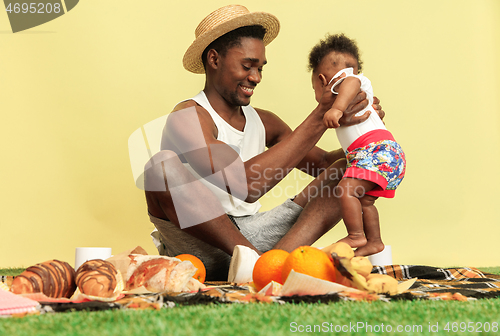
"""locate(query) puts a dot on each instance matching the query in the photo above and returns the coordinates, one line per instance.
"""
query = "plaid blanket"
(405, 272)
(444, 283)
(462, 284)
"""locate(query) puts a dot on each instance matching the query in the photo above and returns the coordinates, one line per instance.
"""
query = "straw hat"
(220, 22)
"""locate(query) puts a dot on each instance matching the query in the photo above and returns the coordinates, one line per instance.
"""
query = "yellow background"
(73, 90)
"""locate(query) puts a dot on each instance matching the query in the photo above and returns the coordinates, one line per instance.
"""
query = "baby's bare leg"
(371, 227)
(350, 191)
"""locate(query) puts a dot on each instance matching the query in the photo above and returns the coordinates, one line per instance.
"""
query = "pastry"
(53, 278)
(97, 278)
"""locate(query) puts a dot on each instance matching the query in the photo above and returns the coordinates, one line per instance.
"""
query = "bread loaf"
(97, 278)
(54, 278)
(159, 273)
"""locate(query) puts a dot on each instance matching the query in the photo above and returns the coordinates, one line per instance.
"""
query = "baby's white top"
(348, 134)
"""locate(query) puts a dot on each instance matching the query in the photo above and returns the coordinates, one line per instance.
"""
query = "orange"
(311, 261)
(268, 268)
(201, 273)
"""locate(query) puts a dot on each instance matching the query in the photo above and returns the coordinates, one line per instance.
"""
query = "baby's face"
(329, 66)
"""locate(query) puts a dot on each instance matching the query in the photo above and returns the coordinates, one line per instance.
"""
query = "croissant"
(53, 278)
(97, 278)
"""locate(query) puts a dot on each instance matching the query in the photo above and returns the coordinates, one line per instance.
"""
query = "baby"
(375, 161)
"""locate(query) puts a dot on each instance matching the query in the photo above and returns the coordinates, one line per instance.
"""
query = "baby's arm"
(346, 90)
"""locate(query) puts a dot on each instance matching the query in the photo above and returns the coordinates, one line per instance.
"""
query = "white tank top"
(347, 135)
(248, 143)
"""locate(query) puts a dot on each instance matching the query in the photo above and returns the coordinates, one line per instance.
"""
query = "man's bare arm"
(196, 139)
(287, 149)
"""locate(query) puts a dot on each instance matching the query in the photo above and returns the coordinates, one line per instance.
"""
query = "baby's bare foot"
(354, 241)
(369, 249)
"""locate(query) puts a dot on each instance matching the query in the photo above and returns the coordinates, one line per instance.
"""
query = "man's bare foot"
(354, 241)
(369, 249)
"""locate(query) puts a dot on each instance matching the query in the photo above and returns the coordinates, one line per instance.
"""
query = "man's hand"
(376, 105)
(359, 103)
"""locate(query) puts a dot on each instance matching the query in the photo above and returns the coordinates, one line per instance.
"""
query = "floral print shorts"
(386, 158)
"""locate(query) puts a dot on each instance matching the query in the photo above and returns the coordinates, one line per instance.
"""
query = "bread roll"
(97, 278)
(53, 278)
(159, 273)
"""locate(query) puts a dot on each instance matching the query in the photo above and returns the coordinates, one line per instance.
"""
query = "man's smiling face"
(240, 71)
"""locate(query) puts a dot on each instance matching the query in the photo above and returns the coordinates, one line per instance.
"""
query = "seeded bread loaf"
(159, 273)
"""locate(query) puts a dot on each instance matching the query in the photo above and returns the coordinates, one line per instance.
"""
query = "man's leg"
(321, 209)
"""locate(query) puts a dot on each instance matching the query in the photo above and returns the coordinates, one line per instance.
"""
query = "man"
(202, 189)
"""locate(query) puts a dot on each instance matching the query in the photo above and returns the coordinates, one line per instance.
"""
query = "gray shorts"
(263, 230)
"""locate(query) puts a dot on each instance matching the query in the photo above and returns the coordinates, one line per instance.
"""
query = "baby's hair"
(338, 43)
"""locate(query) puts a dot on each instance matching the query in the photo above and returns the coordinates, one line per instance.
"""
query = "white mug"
(382, 258)
(82, 254)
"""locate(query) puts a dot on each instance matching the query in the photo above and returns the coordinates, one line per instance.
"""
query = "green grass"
(494, 270)
(261, 319)
(267, 319)
(11, 271)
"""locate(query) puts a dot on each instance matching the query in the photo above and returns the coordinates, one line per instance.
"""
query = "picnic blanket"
(436, 282)
(433, 283)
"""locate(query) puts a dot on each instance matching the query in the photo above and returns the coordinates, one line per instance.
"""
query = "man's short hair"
(233, 39)
(338, 43)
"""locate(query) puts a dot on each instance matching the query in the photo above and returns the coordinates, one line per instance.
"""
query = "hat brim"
(192, 58)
